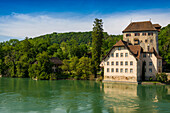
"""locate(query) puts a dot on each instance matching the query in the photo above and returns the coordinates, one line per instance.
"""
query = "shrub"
(150, 78)
(162, 77)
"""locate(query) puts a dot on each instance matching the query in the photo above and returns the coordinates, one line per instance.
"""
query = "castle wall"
(144, 41)
(130, 75)
(153, 67)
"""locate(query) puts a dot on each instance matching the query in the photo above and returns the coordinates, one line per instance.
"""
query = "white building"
(135, 58)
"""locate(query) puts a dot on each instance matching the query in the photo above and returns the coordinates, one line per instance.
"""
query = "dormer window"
(119, 48)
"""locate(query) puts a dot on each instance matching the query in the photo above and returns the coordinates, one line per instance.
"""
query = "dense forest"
(17, 58)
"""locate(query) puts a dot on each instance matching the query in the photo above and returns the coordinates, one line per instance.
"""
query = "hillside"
(17, 58)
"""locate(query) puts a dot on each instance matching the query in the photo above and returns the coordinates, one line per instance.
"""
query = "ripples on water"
(66, 96)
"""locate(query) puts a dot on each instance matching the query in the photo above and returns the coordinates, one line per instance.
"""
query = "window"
(150, 63)
(108, 56)
(150, 69)
(148, 48)
(126, 63)
(107, 69)
(137, 34)
(159, 70)
(136, 42)
(121, 54)
(112, 55)
(126, 54)
(126, 70)
(117, 54)
(112, 69)
(131, 63)
(121, 63)
(144, 55)
(143, 34)
(150, 34)
(121, 70)
(150, 54)
(127, 35)
(159, 63)
(146, 41)
(107, 63)
(131, 70)
(117, 63)
(119, 48)
(151, 41)
(117, 70)
(112, 63)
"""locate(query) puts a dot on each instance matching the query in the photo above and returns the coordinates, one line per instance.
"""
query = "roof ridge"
(141, 21)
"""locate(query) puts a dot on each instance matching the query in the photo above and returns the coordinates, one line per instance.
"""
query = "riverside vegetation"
(75, 49)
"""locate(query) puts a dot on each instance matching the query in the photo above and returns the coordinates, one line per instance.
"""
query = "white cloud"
(27, 25)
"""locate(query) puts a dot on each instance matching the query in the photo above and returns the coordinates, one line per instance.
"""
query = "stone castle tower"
(144, 34)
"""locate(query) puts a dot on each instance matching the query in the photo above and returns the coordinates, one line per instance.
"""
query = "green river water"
(68, 96)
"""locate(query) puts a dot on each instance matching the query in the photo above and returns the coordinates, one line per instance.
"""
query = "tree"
(97, 36)
(43, 68)
(73, 65)
(84, 68)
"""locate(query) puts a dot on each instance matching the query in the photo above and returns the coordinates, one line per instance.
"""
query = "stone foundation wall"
(121, 78)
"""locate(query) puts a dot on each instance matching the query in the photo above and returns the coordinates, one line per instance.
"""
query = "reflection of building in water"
(168, 88)
(132, 98)
(120, 98)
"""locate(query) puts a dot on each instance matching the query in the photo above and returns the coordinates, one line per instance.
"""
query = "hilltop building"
(136, 57)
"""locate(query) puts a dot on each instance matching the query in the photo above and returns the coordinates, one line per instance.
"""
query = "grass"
(151, 82)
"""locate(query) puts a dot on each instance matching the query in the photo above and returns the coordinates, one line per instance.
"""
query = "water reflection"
(26, 95)
(129, 98)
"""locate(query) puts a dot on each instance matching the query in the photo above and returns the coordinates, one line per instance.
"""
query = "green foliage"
(84, 68)
(42, 69)
(78, 68)
(164, 43)
(30, 57)
(162, 77)
(97, 36)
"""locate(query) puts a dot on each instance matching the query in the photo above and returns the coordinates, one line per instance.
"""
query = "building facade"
(135, 58)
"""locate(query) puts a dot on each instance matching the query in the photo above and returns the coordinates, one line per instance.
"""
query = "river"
(23, 95)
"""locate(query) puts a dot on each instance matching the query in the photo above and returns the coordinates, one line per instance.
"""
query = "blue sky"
(21, 18)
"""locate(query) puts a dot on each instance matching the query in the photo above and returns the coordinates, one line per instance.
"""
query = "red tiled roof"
(140, 26)
(120, 43)
(152, 50)
(56, 61)
(157, 25)
(134, 49)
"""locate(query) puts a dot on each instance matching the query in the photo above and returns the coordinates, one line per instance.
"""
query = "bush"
(162, 77)
(150, 78)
